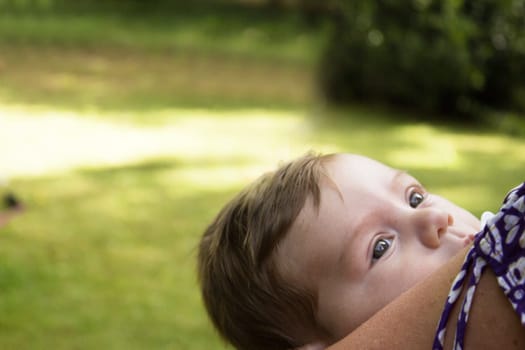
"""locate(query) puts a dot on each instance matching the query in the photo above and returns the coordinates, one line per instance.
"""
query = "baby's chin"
(462, 244)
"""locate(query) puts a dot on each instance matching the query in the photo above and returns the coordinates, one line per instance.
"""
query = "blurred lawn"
(123, 153)
(258, 33)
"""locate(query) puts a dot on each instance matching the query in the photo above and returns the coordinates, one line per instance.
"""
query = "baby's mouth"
(469, 239)
(466, 238)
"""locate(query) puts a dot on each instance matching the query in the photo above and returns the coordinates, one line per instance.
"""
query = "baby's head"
(309, 252)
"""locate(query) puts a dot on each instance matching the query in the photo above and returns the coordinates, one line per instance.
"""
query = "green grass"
(123, 152)
(198, 54)
(89, 266)
(126, 79)
(234, 30)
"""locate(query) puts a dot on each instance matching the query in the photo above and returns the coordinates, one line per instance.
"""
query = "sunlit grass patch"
(65, 140)
(425, 147)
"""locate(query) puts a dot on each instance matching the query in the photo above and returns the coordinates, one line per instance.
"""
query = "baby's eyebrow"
(398, 175)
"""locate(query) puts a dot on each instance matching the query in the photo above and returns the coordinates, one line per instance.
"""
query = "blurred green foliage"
(443, 56)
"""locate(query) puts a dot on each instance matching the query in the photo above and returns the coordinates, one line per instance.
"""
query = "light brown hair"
(247, 299)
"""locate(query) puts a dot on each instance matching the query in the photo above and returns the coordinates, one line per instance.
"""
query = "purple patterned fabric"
(501, 246)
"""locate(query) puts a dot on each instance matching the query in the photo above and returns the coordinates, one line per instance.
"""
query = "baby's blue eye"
(380, 247)
(415, 199)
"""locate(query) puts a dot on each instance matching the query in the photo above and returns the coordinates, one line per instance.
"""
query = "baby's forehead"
(355, 171)
(356, 164)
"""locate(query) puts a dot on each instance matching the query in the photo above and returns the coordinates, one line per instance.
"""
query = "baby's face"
(377, 233)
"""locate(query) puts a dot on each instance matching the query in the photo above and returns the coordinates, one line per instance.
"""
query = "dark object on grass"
(11, 201)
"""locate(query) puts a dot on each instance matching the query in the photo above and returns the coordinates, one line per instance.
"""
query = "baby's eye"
(380, 247)
(415, 199)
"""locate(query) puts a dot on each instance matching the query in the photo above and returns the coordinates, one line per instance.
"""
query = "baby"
(309, 252)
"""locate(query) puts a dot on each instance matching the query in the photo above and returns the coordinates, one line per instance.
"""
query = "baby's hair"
(247, 299)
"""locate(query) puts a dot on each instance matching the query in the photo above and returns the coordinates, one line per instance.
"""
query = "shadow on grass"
(112, 79)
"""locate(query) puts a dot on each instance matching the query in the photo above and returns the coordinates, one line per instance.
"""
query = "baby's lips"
(469, 239)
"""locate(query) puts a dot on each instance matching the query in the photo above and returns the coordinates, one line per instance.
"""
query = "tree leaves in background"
(450, 56)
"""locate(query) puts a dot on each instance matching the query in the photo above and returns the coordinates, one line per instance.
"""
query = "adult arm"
(410, 321)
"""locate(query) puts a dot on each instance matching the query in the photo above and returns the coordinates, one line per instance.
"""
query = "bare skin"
(410, 321)
(376, 233)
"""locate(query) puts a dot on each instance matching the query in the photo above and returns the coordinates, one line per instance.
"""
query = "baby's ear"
(312, 346)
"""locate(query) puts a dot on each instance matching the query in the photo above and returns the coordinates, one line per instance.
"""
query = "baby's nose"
(431, 225)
